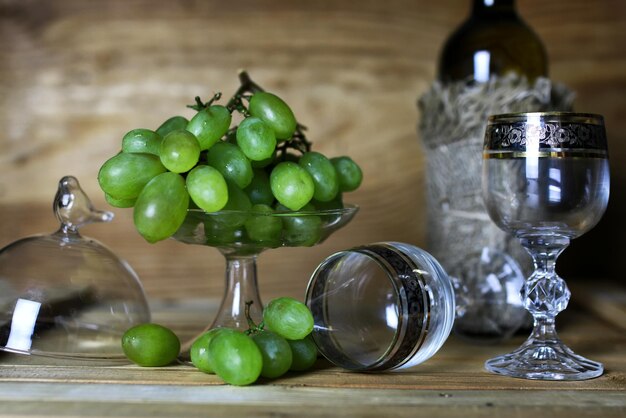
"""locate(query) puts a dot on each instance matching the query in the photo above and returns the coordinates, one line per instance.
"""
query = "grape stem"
(246, 86)
(298, 141)
(246, 90)
(253, 327)
(200, 105)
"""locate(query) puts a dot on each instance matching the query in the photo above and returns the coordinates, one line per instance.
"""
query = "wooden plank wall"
(75, 76)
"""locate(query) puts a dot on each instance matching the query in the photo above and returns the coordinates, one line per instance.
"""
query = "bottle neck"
(487, 7)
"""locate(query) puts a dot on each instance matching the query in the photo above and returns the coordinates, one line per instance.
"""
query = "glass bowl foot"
(546, 361)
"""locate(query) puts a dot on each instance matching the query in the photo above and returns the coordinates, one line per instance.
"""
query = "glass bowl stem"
(241, 288)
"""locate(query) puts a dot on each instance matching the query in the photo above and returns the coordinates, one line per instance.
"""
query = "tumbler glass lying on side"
(381, 306)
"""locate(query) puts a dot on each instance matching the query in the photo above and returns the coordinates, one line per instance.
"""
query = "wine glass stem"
(241, 288)
(545, 294)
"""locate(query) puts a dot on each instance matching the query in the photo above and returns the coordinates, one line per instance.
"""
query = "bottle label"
(452, 129)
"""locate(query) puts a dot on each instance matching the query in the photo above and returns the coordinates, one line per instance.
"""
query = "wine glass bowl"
(546, 181)
(241, 236)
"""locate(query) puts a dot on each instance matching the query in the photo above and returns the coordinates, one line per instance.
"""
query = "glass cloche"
(64, 296)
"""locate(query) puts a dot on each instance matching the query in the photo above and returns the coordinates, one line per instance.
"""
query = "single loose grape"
(161, 207)
(289, 318)
(323, 173)
(256, 139)
(348, 172)
(235, 358)
(292, 185)
(125, 175)
(179, 151)
(209, 125)
(150, 345)
(142, 140)
(304, 353)
(199, 351)
(207, 188)
(275, 112)
(276, 353)
(229, 160)
(172, 124)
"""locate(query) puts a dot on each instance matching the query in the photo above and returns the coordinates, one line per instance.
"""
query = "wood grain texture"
(75, 76)
(167, 401)
(451, 384)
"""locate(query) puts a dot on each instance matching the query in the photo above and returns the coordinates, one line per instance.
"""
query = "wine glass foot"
(545, 361)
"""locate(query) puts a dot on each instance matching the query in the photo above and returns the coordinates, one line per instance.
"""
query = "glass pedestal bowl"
(241, 236)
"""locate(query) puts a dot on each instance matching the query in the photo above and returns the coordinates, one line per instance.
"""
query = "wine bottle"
(492, 40)
(492, 63)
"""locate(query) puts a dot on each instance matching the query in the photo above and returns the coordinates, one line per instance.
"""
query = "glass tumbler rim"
(561, 116)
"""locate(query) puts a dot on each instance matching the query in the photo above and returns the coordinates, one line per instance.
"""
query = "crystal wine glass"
(241, 236)
(545, 180)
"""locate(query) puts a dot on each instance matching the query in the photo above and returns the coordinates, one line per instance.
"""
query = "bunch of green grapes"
(282, 342)
(264, 164)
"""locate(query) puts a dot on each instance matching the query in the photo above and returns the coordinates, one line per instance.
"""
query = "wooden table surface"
(452, 383)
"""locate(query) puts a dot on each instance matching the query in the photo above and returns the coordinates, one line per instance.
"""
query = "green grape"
(119, 203)
(172, 124)
(238, 202)
(142, 140)
(289, 318)
(218, 234)
(235, 358)
(264, 163)
(292, 185)
(323, 173)
(150, 345)
(275, 112)
(238, 199)
(304, 353)
(259, 190)
(229, 160)
(199, 351)
(348, 173)
(256, 139)
(161, 207)
(207, 188)
(180, 151)
(276, 354)
(303, 230)
(262, 227)
(209, 125)
(333, 204)
(226, 227)
(125, 175)
(189, 229)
